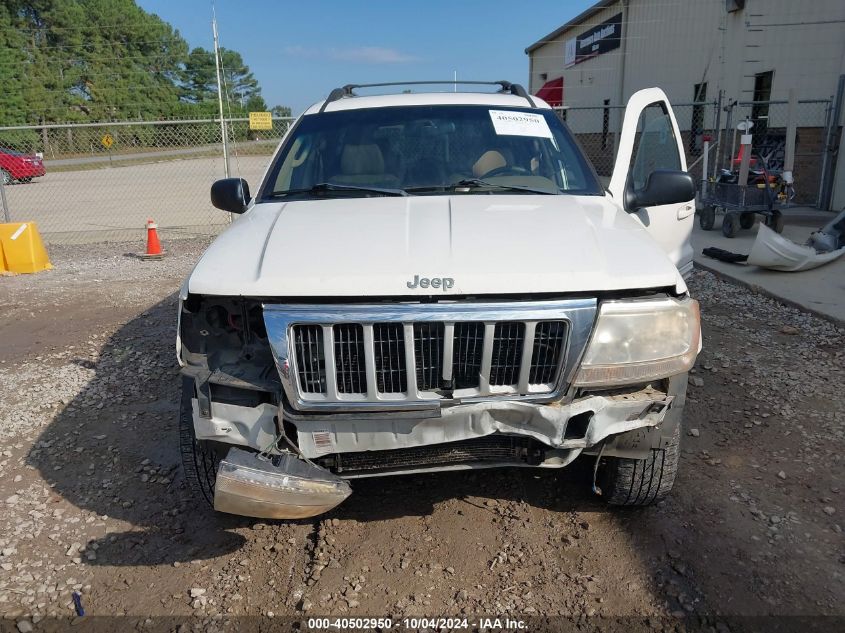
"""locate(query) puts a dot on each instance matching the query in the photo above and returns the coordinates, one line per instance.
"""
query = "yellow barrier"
(21, 248)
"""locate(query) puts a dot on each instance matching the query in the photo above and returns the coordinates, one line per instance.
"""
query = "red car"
(18, 166)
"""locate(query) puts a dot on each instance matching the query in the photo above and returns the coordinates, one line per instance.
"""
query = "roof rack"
(506, 87)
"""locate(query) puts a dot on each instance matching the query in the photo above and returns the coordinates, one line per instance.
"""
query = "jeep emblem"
(431, 282)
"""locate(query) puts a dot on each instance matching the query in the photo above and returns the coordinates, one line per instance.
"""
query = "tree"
(238, 80)
(93, 60)
(256, 103)
(12, 70)
(280, 110)
(200, 78)
(88, 59)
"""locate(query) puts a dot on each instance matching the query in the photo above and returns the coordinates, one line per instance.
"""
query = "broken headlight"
(638, 341)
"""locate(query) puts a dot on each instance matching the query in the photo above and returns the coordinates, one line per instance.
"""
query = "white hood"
(488, 244)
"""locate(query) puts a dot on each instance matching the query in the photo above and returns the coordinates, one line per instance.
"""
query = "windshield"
(426, 150)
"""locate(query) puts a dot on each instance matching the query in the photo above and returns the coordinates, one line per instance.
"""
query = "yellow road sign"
(107, 141)
(260, 121)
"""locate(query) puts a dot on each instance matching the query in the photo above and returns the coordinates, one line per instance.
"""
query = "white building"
(749, 50)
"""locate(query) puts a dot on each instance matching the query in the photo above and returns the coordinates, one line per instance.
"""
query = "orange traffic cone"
(154, 250)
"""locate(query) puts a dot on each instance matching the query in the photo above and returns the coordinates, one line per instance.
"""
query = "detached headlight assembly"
(638, 341)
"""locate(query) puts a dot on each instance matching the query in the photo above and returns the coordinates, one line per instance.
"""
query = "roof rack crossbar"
(506, 86)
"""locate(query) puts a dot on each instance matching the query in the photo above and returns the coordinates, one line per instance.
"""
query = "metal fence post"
(729, 109)
(4, 202)
(828, 164)
(717, 128)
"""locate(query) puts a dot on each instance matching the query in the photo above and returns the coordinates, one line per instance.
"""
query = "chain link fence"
(597, 129)
(769, 121)
(100, 182)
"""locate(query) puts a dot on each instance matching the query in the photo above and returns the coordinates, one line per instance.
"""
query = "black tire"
(200, 458)
(730, 225)
(775, 221)
(707, 218)
(641, 482)
(746, 220)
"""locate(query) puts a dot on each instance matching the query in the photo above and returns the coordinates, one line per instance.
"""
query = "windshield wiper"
(324, 187)
(478, 182)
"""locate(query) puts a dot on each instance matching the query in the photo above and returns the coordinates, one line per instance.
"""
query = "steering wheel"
(507, 170)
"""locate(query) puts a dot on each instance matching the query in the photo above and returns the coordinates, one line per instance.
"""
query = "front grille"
(502, 449)
(468, 348)
(350, 365)
(415, 355)
(428, 353)
(389, 349)
(310, 363)
(549, 339)
(507, 353)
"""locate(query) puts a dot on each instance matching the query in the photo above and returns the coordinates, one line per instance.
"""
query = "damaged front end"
(305, 397)
(223, 350)
(491, 434)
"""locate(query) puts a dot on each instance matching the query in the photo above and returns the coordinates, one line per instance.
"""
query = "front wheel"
(641, 482)
(6, 177)
(775, 221)
(707, 218)
(200, 458)
(730, 225)
(746, 220)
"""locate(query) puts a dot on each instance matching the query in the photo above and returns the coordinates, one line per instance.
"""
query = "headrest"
(361, 159)
(489, 161)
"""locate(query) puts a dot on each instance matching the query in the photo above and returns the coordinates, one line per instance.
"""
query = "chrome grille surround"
(470, 332)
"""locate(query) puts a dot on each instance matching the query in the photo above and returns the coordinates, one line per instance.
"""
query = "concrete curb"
(760, 290)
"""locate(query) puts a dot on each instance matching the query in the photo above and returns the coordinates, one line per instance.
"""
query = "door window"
(655, 145)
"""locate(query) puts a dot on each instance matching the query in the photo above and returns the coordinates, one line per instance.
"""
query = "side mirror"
(663, 186)
(230, 194)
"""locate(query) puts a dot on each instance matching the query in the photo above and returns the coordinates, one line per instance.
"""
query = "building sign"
(602, 38)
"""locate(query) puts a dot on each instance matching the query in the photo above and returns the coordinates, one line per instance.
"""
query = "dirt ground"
(92, 497)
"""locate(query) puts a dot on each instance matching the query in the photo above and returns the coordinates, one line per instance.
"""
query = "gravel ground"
(93, 499)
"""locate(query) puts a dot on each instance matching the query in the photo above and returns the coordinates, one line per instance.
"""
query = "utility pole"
(223, 132)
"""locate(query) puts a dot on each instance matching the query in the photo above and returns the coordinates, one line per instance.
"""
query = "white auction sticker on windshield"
(509, 123)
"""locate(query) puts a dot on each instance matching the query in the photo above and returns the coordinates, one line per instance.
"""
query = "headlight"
(638, 341)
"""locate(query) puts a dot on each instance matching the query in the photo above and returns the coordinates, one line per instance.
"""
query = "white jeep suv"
(438, 281)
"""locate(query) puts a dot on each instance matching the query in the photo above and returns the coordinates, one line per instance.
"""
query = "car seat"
(363, 165)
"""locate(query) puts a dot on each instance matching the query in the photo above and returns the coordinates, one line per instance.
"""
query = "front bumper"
(582, 424)
(29, 171)
(578, 425)
(621, 423)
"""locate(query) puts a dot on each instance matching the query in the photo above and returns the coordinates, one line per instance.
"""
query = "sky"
(299, 51)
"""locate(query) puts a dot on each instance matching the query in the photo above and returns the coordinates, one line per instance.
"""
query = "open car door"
(650, 141)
